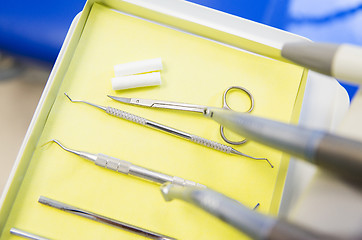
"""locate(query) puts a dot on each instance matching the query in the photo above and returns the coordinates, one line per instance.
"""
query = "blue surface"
(334, 21)
(36, 29)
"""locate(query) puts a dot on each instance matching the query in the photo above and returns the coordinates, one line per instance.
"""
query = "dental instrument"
(253, 224)
(337, 154)
(128, 168)
(102, 219)
(145, 122)
(24, 234)
(190, 107)
(342, 61)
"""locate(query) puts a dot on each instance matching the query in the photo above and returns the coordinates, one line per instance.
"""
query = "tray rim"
(177, 9)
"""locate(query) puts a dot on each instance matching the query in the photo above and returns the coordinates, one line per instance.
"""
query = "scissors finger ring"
(226, 106)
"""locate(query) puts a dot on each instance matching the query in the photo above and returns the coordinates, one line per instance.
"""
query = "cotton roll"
(144, 66)
(134, 81)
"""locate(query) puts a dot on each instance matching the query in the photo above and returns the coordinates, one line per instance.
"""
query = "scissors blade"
(160, 104)
(120, 99)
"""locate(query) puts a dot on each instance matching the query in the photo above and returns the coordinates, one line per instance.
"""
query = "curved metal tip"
(256, 206)
(92, 104)
(68, 97)
(271, 165)
(62, 146)
(255, 158)
(265, 159)
(57, 142)
(86, 155)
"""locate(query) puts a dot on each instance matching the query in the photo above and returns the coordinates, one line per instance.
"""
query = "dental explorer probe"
(145, 122)
(248, 221)
(102, 219)
(128, 168)
(337, 154)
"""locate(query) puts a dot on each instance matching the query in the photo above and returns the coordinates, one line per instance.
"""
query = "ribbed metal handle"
(112, 163)
(186, 183)
(125, 115)
(210, 144)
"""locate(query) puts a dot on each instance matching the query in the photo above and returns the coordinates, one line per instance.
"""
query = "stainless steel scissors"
(189, 107)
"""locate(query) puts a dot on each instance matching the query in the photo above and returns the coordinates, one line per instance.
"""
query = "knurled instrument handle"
(210, 144)
(128, 168)
(125, 115)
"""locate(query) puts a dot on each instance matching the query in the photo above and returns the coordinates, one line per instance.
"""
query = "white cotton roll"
(144, 66)
(134, 81)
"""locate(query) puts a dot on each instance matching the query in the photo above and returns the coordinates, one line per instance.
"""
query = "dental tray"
(203, 52)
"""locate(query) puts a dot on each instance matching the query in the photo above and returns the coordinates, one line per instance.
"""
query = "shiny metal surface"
(226, 106)
(161, 178)
(86, 155)
(193, 138)
(190, 107)
(149, 175)
(252, 223)
(248, 156)
(128, 168)
(292, 139)
(102, 219)
(167, 129)
(92, 104)
(24, 234)
(196, 139)
(160, 104)
(339, 155)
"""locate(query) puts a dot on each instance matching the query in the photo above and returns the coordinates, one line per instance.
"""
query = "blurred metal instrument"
(337, 154)
(24, 234)
(102, 219)
(342, 61)
(253, 224)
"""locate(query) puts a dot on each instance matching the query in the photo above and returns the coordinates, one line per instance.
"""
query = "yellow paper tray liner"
(196, 70)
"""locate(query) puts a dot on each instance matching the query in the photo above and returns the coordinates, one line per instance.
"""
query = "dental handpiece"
(337, 154)
(193, 138)
(128, 168)
(252, 223)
